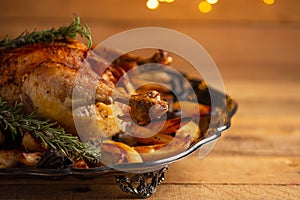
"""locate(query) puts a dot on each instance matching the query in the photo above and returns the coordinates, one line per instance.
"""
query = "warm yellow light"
(269, 2)
(212, 1)
(152, 4)
(168, 1)
(204, 7)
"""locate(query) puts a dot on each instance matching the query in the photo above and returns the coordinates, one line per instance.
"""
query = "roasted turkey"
(43, 77)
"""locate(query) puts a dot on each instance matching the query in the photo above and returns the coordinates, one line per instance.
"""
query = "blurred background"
(233, 31)
(256, 46)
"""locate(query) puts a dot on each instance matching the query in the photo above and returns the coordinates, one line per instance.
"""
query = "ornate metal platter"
(142, 179)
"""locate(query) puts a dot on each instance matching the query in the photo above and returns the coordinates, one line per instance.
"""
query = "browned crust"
(17, 63)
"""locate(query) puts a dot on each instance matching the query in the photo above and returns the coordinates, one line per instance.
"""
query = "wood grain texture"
(234, 44)
(214, 169)
(166, 191)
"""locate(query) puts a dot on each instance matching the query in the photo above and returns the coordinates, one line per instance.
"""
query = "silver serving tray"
(134, 177)
(214, 132)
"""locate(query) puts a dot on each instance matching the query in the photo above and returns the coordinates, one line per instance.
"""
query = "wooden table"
(257, 158)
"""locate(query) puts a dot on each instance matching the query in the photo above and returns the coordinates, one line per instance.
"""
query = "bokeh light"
(152, 4)
(168, 1)
(269, 2)
(212, 1)
(204, 7)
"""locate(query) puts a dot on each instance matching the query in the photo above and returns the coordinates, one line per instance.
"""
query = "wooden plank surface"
(166, 191)
(240, 45)
(258, 57)
(215, 169)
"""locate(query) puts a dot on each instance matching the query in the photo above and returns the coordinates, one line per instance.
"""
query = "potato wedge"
(117, 152)
(189, 108)
(160, 151)
(159, 138)
(10, 158)
(31, 159)
(165, 127)
(190, 129)
(30, 143)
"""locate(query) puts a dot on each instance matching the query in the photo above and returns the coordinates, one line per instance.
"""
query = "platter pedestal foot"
(142, 185)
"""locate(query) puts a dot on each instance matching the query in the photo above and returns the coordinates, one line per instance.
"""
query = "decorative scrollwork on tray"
(142, 185)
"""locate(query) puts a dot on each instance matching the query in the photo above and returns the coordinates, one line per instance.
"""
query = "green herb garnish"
(13, 121)
(49, 35)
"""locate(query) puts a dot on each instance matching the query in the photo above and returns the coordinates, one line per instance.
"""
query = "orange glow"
(204, 7)
(168, 1)
(212, 1)
(152, 4)
(269, 2)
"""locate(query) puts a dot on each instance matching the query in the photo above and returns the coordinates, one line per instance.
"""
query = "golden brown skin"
(31, 143)
(43, 75)
(10, 158)
(14, 157)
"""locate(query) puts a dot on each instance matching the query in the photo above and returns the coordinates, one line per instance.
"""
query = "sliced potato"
(165, 127)
(142, 132)
(172, 125)
(31, 159)
(118, 152)
(190, 129)
(160, 151)
(190, 108)
(159, 138)
(10, 158)
(32, 144)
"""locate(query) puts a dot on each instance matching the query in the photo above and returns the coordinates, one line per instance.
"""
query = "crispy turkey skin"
(43, 77)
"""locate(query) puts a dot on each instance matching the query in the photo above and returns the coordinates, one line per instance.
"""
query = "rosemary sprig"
(49, 35)
(13, 121)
